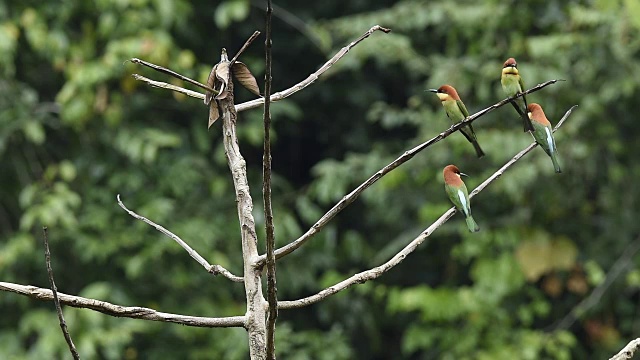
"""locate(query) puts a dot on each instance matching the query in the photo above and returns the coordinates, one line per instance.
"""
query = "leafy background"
(76, 129)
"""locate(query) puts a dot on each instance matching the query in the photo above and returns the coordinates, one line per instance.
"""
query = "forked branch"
(377, 271)
(212, 269)
(313, 77)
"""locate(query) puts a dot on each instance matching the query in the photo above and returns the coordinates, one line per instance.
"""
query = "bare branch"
(164, 85)
(313, 77)
(406, 156)
(272, 289)
(172, 73)
(377, 271)
(213, 269)
(123, 311)
(244, 47)
(628, 351)
(257, 102)
(220, 270)
(56, 301)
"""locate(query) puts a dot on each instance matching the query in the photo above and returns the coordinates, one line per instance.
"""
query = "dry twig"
(313, 77)
(257, 102)
(272, 290)
(56, 301)
(164, 85)
(213, 269)
(172, 73)
(244, 47)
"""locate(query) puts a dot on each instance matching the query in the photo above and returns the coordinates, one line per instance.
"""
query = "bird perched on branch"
(456, 111)
(457, 192)
(512, 84)
(543, 133)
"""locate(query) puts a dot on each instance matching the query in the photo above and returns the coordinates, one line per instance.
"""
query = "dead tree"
(259, 318)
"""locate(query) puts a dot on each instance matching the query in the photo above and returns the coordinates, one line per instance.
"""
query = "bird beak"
(463, 174)
(433, 90)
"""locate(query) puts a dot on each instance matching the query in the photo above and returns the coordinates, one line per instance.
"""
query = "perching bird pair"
(534, 119)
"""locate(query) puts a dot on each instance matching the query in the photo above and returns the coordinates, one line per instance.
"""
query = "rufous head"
(536, 113)
(452, 174)
(510, 66)
(511, 62)
(446, 92)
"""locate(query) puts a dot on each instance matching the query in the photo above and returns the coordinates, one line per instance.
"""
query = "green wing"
(521, 83)
(462, 108)
(524, 99)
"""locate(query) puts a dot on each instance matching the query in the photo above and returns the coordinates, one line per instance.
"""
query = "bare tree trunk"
(256, 319)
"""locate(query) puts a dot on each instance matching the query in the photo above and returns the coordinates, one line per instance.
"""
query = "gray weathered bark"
(255, 323)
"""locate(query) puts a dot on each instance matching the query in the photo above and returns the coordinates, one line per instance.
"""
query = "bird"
(456, 111)
(543, 133)
(457, 192)
(512, 84)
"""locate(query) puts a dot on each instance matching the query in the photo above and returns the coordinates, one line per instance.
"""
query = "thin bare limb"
(56, 301)
(212, 269)
(406, 156)
(257, 102)
(272, 289)
(164, 85)
(133, 312)
(622, 263)
(313, 77)
(172, 73)
(628, 351)
(244, 47)
(377, 271)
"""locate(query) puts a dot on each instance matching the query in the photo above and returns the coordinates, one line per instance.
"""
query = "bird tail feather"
(556, 165)
(479, 151)
(471, 224)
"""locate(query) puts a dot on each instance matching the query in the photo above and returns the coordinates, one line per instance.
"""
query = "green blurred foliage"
(76, 130)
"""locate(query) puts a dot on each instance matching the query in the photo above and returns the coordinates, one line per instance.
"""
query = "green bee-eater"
(456, 111)
(512, 84)
(543, 133)
(458, 194)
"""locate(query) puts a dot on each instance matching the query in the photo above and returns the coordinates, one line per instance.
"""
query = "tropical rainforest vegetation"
(551, 274)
